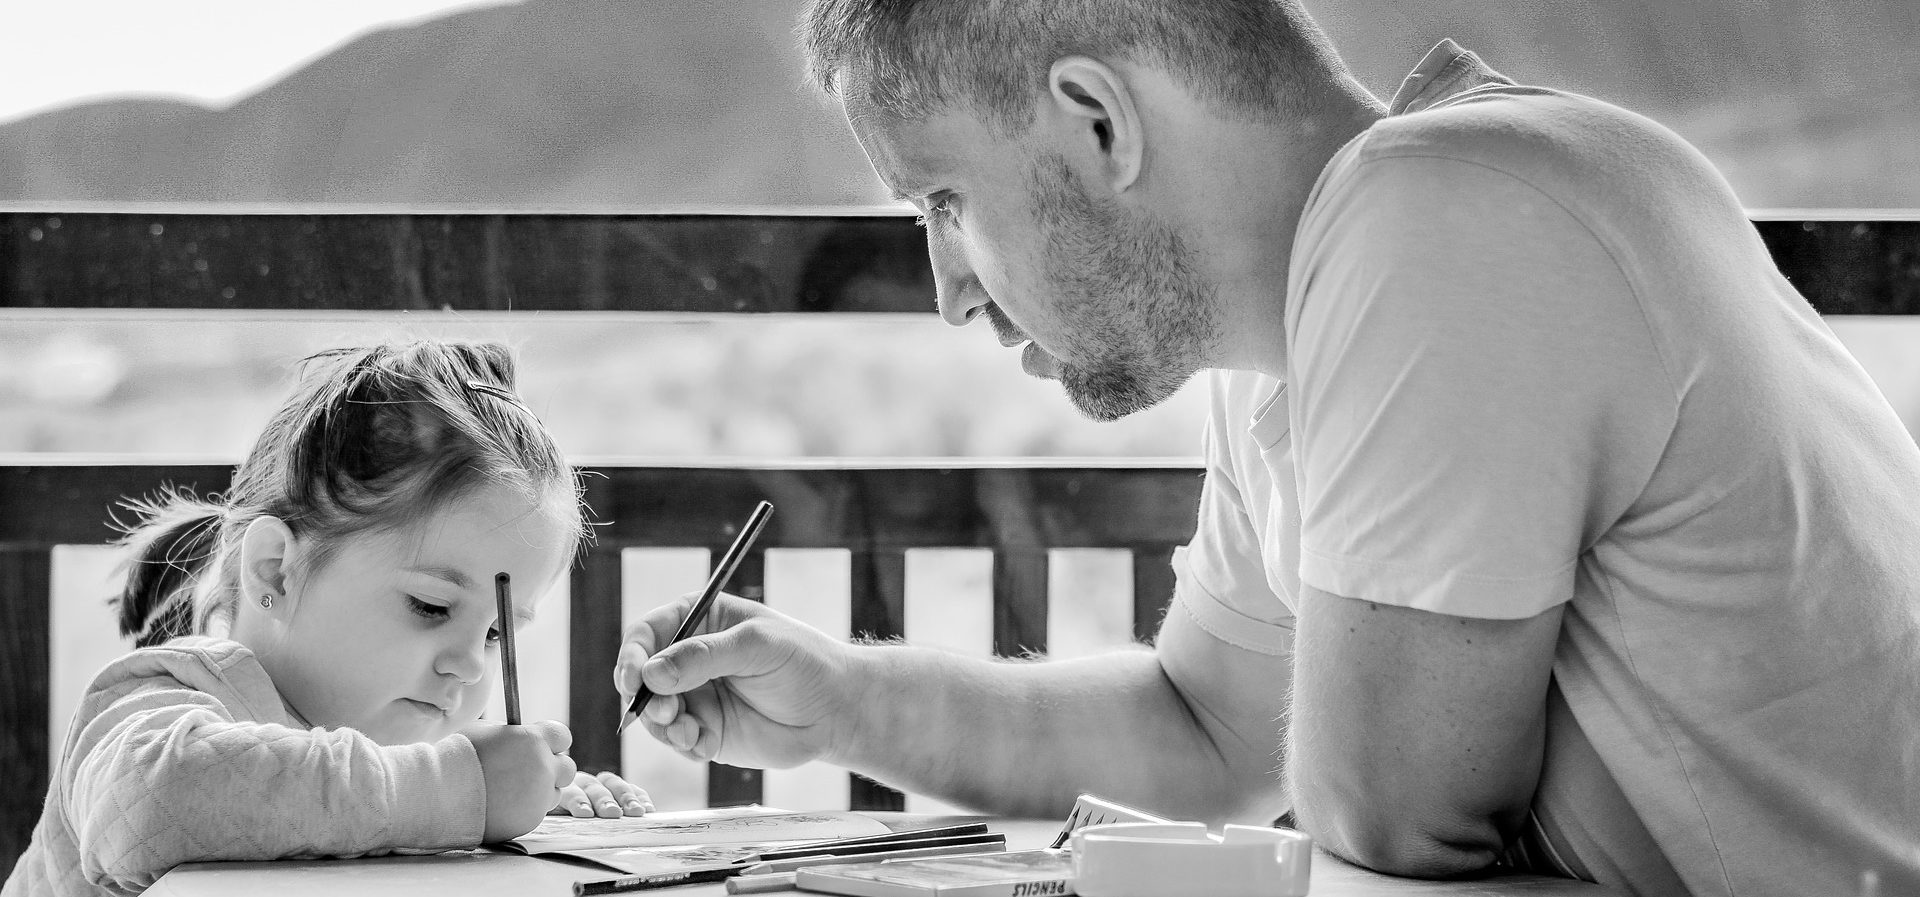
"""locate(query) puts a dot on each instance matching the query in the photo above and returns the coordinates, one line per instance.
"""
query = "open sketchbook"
(689, 840)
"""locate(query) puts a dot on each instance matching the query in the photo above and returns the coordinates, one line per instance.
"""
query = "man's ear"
(267, 551)
(1095, 101)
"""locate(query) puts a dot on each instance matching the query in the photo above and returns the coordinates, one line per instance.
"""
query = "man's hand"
(525, 767)
(757, 689)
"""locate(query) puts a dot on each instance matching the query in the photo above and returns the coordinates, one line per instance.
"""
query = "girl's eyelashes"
(429, 610)
(439, 612)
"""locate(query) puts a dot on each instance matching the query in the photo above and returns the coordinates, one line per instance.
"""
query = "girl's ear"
(267, 552)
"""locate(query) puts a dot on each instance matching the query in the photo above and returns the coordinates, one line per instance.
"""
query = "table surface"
(488, 872)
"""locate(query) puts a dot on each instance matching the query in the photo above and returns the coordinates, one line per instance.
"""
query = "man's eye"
(940, 208)
(427, 609)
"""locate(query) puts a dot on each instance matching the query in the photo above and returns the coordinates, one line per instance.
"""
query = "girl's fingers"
(633, 799)
(573, 802)
(602, 800)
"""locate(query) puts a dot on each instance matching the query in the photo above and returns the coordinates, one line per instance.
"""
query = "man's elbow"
(1408, 845)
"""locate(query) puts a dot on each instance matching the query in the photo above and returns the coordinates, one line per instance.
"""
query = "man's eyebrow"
(450, 574)
(910, 192)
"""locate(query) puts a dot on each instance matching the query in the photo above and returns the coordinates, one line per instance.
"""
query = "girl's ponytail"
(173, 541)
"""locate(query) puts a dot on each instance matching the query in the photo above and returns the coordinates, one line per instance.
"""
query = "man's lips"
(1037, 363)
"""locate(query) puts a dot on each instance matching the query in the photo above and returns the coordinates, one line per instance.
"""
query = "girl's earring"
(266, 600)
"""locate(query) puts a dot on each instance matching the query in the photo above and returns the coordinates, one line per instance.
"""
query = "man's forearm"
(1024, 738)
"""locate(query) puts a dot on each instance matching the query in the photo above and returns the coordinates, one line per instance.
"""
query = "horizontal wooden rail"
(866, 528)
(697, 263)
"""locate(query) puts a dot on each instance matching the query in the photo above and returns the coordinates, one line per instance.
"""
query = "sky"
(55, 53)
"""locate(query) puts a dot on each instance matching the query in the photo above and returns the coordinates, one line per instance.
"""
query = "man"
(1544, 522)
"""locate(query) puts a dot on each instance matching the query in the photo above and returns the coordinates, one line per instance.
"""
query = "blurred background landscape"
(610, 106)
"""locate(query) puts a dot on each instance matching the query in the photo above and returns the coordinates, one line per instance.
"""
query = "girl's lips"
(425, 707)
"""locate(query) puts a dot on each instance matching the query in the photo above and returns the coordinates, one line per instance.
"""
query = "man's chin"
(1117, 397)
(1106, 407)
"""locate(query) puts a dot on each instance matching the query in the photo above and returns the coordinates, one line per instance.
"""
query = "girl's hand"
(606, 795)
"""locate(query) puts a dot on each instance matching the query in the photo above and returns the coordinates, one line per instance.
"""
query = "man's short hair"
(911, 58)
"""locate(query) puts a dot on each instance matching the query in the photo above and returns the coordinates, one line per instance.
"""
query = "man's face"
(1108, 296)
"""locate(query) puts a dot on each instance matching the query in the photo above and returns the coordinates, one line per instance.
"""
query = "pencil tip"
(625, 719)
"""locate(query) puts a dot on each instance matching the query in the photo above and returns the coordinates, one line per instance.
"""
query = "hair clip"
(495, 391)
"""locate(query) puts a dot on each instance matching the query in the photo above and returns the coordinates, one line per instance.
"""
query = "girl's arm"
(161, 771)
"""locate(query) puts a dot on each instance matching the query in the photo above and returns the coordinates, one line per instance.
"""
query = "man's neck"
(1269, 171)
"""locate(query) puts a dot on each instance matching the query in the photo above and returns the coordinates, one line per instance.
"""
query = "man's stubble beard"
(1128, 287)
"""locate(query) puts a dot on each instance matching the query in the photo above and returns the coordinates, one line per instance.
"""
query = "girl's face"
(395, 635)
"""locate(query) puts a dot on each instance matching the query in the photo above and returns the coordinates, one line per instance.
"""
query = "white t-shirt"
(1537, 355)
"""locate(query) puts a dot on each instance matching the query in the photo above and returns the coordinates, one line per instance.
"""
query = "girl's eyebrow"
(450, 574)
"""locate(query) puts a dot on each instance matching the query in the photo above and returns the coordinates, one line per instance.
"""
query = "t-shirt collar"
(1446, 72)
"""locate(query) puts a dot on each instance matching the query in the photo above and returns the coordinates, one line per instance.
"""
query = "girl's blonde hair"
(371, 439)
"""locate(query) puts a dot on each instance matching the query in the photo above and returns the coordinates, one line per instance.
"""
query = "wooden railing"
(861, 550)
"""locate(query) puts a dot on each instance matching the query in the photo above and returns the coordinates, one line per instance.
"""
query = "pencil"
(992, 844)
(645, 882)
(893, 837)
(880, 847)
(755, 522)
(509, 664)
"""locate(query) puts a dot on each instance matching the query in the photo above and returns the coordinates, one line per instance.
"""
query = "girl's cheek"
(473, 703)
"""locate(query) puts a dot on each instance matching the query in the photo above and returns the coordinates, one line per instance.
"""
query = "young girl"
(316, 648)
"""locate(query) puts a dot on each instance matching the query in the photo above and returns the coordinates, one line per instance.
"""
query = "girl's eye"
(493, 635)
(426, 609)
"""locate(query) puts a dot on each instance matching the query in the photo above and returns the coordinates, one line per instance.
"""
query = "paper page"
(688, 839)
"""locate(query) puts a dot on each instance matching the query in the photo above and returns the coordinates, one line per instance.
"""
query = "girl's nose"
(466, 662)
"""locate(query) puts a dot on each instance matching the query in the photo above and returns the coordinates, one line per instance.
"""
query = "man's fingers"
(662, 708)
(643, 638)
(749, 649)
(626, 669)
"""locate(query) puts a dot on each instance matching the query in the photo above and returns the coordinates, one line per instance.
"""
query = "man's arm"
(1019, 738)
(1416, 737)
(1189, 730)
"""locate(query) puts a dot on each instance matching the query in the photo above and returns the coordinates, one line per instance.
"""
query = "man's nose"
(956, 290)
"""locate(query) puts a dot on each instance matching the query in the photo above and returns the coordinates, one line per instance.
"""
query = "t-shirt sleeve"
(1221, 581)
(1476, 393)
(163, 773)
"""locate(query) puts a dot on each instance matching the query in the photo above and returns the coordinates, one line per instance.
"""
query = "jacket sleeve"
(162, 773)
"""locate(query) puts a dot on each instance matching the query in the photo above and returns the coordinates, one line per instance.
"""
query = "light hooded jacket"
(186, 752)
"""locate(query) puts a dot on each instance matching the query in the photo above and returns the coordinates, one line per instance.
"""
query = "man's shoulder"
(1565, 145)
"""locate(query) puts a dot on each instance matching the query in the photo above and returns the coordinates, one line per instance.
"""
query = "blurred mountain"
(573, 104)
(600, 105)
